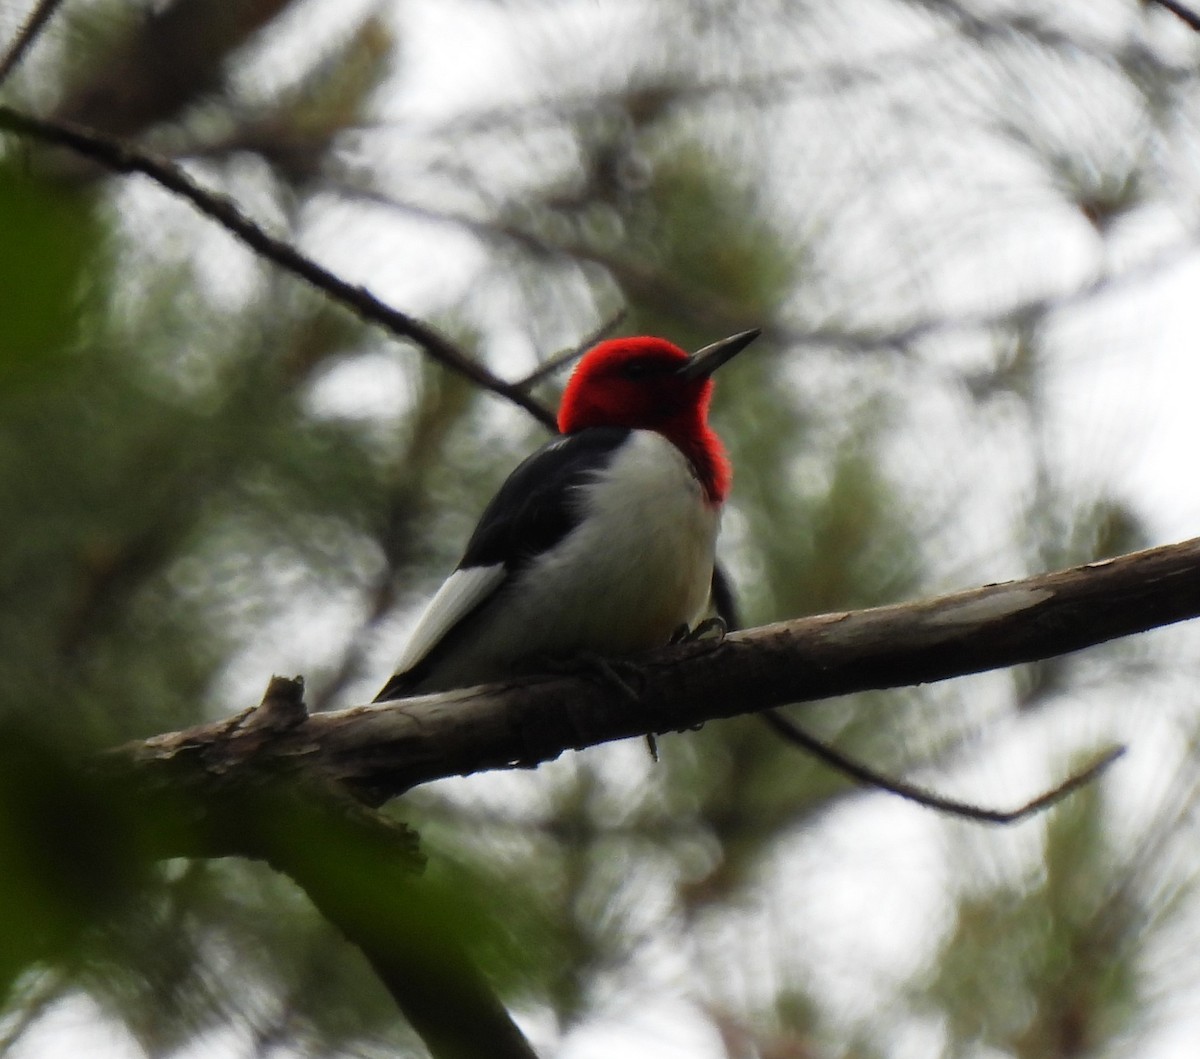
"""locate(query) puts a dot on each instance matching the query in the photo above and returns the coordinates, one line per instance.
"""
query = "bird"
(600, 544)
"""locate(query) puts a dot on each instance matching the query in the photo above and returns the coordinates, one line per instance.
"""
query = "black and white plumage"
(602, 541)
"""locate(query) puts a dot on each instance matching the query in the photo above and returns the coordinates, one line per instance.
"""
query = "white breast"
(642, 557)
(637, 567)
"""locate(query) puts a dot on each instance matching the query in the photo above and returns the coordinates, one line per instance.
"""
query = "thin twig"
(931, 800)
(715, 314)
(549, 366)
(1179, 11)
(781, 87)
(26, 35)
(122, 157)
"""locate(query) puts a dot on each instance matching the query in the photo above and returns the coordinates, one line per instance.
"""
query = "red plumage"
(603, 541)
(636, 383)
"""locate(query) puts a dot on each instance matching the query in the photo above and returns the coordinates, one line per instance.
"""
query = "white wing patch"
(460, 594)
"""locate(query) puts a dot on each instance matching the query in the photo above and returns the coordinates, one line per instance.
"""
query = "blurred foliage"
(208, 473)
(1046, 966)
(48, 234)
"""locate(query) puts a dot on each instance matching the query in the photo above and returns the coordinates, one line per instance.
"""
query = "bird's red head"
(649, 384)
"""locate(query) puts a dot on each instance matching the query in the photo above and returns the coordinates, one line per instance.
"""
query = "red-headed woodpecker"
(602, 541)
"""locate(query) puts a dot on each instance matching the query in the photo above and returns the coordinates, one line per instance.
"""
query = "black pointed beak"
(702, 363)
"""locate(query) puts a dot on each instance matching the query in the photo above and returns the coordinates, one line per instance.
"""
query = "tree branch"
(1184, 14)
(26, 35)
(560, 360)
(272, 782)
(119, 156)
(359, 868)
(838, 761)
(384, 749)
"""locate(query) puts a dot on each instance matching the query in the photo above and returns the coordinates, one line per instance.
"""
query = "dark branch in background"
(718, 317)
(920, 795)
(359, 874)
(26, 35)
(382, 750)
(568, 356)
(121, 157)
(781, 87)
(706, 309)
(359, 868)
(1179, 11)
(432, 980)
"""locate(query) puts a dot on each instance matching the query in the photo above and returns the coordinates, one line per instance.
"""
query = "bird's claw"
(613, 672)
(624, 677)
(709, 629)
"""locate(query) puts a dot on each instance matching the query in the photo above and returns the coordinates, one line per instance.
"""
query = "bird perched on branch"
(602, 542)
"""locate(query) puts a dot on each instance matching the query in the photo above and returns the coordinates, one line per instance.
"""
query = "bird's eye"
(643, 368)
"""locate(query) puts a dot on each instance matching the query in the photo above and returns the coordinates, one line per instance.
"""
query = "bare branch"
(234, 781)
(718, 315)
(567, 356)
(26, 35)
(122, 157)
(364, 885)
(920, 795)
(384, 749)
(361, 870)
(648, 98)
(1179, 11)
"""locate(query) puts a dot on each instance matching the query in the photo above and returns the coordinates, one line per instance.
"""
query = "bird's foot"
(709, 629)
(713, 629)
(625, 677)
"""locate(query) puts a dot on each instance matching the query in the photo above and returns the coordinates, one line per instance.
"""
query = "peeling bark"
(384, 749)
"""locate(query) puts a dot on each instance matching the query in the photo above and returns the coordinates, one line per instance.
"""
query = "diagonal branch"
(385, 749)
(232, 783)
(360, 869)
(120, 156)
(357, 868)
(560, 360)
(1184, 14)
(838, 761)
(26, 35)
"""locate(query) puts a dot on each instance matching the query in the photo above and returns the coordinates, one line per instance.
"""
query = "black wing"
(724, 599)
(534, 509)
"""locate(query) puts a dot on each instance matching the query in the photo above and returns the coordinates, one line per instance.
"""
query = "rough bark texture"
(253, 784)
(265, 782)
(382, 750)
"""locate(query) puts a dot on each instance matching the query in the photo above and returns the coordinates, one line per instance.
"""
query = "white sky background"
(858, 896)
